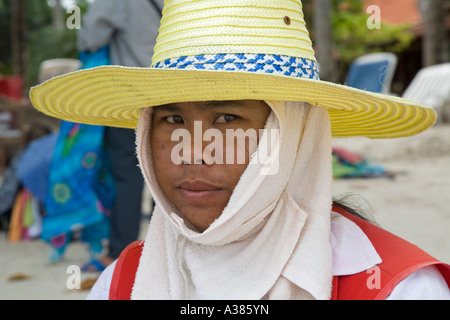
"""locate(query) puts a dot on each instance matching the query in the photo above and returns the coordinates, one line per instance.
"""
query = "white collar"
(352, 250)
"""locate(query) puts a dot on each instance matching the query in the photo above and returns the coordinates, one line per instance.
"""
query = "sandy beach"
(413, 204)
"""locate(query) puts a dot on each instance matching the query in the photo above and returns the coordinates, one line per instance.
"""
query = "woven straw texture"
(114, 95)
(232, 26)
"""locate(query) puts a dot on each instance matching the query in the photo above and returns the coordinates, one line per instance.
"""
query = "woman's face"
(199, 153)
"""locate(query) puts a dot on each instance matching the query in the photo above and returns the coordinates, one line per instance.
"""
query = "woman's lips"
(198, 192)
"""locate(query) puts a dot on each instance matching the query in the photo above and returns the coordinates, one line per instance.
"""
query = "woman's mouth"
(198, 192)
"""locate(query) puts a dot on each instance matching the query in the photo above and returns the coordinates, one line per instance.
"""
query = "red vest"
(400, 259)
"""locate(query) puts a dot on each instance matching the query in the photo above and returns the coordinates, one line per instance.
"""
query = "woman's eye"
(225, 118)
(174, 119)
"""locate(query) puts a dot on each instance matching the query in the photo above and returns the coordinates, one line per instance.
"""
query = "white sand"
(414, 205)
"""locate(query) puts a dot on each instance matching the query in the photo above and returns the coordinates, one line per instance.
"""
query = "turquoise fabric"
(80, 186)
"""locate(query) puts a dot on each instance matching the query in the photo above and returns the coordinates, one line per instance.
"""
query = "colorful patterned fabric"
(347, 164)
(26, 222)
(80, 187)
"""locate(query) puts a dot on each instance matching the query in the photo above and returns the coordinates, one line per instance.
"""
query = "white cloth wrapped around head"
(271, 240)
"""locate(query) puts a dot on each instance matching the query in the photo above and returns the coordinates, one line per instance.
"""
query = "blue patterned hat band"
(258, 63)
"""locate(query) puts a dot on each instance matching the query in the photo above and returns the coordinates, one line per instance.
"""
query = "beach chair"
(373, 72)
(431, 86)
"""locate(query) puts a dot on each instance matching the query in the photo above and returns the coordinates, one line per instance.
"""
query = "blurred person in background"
(130, 29)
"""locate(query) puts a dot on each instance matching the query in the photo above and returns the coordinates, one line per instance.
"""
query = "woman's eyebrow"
(230, 103)
(173, 107)
(167, 108)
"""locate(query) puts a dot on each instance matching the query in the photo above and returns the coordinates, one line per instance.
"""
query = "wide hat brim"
(114, 96)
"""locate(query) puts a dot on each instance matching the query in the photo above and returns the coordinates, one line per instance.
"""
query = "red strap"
(400, 259)
(125, 272)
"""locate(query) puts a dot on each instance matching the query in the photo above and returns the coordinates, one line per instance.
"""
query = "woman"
(234, 141)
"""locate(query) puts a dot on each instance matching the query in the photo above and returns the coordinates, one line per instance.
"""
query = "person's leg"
(126, 211)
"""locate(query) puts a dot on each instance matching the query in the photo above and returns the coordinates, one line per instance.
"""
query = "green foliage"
(5, 39)
(42, 40)
(45, 43)
(352, 37)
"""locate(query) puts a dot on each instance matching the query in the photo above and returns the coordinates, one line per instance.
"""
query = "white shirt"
(352, 253)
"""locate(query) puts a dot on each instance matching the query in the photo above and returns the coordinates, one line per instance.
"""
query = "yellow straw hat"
(227, 50)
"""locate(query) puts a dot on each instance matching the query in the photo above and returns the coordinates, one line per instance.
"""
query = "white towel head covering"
(271, 240)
